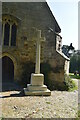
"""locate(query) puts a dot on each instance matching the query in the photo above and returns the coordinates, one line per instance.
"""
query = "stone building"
(20, 22)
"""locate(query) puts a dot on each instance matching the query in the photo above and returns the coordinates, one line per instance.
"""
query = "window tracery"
(9, 31)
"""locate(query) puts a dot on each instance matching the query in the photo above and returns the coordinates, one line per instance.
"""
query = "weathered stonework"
(29, 17)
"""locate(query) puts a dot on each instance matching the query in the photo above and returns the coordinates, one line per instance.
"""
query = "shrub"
(69, 83)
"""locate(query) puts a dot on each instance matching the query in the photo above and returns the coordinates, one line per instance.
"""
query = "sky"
(66, 14)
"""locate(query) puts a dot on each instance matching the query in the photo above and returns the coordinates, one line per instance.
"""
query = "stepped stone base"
(37, 92)
(37, 87)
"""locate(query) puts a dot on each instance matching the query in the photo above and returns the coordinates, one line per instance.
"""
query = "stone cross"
(39, 39)
(37, 86)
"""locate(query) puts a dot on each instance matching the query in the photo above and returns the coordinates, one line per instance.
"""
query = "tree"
(75, 63)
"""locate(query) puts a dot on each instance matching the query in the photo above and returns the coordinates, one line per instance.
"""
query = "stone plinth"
(37, 79)
(37, 87)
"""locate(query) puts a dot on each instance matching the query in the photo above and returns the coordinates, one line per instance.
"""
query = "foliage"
(74, 76)
(75, 63)
(79, 113)
(69, 84)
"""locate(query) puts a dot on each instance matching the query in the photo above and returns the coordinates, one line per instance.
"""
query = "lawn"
(74, 76)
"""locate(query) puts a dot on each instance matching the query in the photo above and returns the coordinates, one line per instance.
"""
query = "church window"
(13, 35)
(6, 34)
(9, 31)
(58, 42)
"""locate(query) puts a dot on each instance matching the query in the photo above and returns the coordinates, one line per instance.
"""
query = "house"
(20, 21)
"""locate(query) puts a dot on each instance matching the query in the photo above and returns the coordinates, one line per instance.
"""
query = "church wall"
(32, 17)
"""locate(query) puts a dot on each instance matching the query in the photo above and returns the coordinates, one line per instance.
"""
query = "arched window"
(9, 30)
(13, 35)
(6, 34)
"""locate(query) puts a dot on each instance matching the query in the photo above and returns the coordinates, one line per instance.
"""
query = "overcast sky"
(66, 14)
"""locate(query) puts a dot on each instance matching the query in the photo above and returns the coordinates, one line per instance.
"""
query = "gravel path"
(58, 105)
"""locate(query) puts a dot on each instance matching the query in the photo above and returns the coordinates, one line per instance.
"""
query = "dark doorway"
(7, 70)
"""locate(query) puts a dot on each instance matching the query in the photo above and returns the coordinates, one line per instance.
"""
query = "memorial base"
(37, 87)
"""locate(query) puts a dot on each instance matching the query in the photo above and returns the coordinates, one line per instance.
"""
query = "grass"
(74, 76)
(78, 118)
(48, 102)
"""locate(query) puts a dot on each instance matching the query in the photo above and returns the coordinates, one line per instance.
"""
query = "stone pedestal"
(37, 87)
(37, 79)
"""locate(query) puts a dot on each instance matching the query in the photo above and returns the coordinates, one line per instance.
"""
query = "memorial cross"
(38, 50)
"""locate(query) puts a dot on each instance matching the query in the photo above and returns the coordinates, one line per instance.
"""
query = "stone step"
(36, 87)
(37, 93)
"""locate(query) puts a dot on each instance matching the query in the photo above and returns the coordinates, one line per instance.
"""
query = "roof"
(63, 55)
